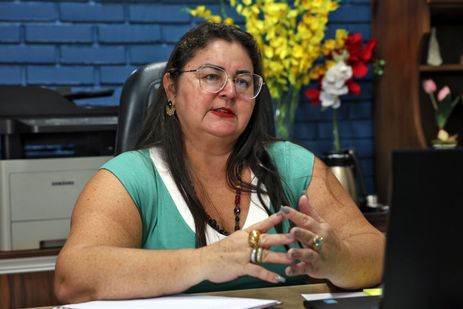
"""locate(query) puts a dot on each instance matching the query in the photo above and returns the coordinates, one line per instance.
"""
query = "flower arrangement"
(290, 36)
(347, 59)
(443, 106)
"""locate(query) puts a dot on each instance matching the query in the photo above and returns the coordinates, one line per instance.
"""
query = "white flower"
(334, 84)
(329, 99)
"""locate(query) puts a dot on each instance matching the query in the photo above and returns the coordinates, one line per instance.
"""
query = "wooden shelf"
(441, 68)
(28, 253)
(457, 3)
(403, 116)
(446, 11)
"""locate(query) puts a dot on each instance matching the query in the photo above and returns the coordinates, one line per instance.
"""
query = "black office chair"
(138, 92)
(140, 89)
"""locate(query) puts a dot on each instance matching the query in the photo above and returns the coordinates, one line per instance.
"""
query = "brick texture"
(96, 44)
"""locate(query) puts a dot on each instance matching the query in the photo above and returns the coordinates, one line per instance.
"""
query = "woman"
(204, 192)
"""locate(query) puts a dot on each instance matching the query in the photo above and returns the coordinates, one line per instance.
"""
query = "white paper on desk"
(179, 301)
(318, 296)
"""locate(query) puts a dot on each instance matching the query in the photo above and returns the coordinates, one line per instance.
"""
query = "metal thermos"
(344, 165)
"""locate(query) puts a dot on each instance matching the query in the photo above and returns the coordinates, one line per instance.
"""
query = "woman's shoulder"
(292, 160)
(130, 162)
(139, 154)
(135, 170)
(288, 150)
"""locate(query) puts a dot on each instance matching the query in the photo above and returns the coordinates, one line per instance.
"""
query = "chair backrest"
(138, 92)
(140, 89)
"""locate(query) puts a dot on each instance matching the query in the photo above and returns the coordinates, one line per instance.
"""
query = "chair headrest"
(138, 92)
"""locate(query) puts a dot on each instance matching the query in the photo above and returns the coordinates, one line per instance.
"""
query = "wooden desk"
(289, 295)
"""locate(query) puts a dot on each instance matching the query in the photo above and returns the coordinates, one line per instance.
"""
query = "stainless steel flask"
(345, 166)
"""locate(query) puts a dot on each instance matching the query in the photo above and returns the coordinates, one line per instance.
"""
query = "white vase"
(434, 56)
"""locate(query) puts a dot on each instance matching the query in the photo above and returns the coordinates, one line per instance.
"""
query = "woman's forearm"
(364, 267)
(102, 272)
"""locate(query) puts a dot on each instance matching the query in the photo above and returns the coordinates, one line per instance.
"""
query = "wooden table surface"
(290, 296)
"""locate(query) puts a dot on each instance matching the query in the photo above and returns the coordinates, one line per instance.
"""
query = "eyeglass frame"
(261, 79)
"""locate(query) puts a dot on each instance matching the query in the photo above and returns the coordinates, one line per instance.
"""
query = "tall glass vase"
(285, 111)
(336, 139)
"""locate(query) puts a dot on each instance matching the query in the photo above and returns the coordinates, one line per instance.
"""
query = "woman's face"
(201, 114)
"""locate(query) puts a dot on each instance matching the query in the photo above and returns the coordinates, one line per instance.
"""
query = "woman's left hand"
(323, 252)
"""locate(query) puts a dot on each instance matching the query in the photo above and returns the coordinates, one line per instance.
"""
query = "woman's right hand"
(230, 257)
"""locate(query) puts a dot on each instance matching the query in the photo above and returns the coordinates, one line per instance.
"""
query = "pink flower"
(429, 86)
(445, 91)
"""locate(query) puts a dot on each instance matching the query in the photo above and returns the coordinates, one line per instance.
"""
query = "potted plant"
(443, 106)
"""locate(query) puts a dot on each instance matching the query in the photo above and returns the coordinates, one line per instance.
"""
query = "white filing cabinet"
(37, 197)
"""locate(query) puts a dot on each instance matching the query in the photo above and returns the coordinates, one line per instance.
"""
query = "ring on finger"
(256, 255)
(254, 238)
(253, 256)
(259, 255)
(318, 242)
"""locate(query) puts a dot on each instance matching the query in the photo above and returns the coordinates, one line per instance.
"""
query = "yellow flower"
(228, 21)
(199, 10)
(290, 36)
(341, 35)
(298, 52)
(328, 46)
(216, 19)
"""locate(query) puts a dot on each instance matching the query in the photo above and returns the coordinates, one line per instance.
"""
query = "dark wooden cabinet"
(403, 113)
(27, 289)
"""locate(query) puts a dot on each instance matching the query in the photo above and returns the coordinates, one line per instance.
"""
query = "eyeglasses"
(213, 79)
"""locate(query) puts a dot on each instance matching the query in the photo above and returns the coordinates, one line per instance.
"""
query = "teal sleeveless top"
(167, 222)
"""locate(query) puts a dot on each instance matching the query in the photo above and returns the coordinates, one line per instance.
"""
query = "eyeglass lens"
(214, 79)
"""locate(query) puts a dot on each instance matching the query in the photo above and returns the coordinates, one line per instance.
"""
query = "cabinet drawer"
(46, 195)
(28, 235)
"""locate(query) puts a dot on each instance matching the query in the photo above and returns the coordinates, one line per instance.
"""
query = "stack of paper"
(179, 301)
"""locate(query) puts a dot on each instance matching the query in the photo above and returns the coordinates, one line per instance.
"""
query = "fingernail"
(280, 279)
(304, 193)
(285, 209)
(297, 233)
(293, 254)
(289, 272)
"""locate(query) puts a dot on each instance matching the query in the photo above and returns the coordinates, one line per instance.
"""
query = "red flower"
(354, 87)
(353, 45)
(359, 69)
(359, 55)
(313, 94)
(369, 50)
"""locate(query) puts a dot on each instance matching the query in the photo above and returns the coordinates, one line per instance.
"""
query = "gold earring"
(170, 108)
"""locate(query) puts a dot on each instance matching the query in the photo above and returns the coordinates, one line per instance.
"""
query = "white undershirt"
(256, 211)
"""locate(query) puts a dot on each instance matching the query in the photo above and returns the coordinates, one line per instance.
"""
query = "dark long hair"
(250, 148)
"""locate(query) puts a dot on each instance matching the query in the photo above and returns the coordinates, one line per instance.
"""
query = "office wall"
(92, 45)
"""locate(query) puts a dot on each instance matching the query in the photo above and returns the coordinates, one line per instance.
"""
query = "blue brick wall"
(95, 44)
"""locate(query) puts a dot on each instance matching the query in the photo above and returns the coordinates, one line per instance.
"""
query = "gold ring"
(253, 239)
(318, 242)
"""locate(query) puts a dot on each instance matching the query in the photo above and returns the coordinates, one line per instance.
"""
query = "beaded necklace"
(236, 211)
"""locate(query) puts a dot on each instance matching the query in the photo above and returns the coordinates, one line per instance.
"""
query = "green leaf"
(441, 120)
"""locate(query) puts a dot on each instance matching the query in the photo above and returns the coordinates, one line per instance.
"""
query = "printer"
(49, 149)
